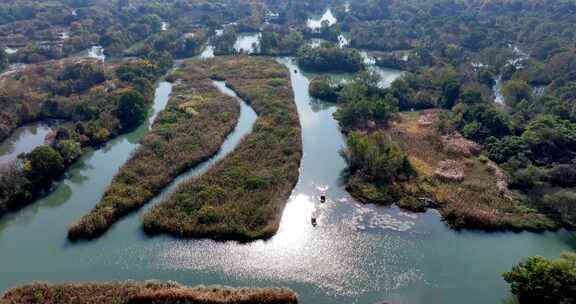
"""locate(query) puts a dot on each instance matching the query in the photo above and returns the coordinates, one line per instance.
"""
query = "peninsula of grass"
(146, 292)
(242, 197)
(191, 129)
(476, 199)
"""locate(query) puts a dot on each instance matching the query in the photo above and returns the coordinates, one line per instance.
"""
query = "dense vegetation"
(147, 292)
(329, 59)
(378, 168)
(324, 88)
(363, 104)
(94, 104)
(46, 30)
(455, 54)
(278, 43)
(543, 281)
(224, 43)
(191, 128)
(242, 197)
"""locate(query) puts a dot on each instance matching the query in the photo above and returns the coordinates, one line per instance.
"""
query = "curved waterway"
(356, 254)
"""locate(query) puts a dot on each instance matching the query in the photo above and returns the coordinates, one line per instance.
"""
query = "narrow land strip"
(190, 130)
(242, 197)
(147, 292)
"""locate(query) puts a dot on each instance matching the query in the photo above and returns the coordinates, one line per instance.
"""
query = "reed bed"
(242, 196)
(147, 292)
(192, 128)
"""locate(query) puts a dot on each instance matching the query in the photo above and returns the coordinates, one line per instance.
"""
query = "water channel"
(357, 253)
(24, 140)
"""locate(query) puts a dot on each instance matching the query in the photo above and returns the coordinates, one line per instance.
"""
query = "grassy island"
(242, 197)
(147, 292)
(192, 128)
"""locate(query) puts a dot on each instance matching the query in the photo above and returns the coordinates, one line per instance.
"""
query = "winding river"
(356, 254)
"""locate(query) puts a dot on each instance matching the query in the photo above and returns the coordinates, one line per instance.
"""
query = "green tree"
(450, 93)
(131, 109)
(324, 88)
(546, 48)
(501, 150)
(541, 281)
(376, 158)
(563, 203)
(224, 44)
(3, 59)
(515, 91)
(486, 77)
(471, 97)
(70, 150)
(153, 21)
(481, 121)
(329, 58)
(550, 138)
(44, 164)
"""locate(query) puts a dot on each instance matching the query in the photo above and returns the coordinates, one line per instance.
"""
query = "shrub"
(330, 59)
(324, 88)
(82, 76)
(526, 178)
(479, 121)
(44, 164)
(70, 150)
(550, 139)
(564, 204)
(541, 281)
(563, 175)
(502, 150)
(131, 109)
(376, 158)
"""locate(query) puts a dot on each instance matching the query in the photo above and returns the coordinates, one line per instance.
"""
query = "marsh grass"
(147, 292)
(242, 196)
(191, 129)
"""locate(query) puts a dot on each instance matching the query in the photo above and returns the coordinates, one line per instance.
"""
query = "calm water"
(357, 253)
(23, 140)
(247, 43)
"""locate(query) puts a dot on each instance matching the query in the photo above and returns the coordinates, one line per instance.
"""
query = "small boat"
(322, 198)
(314, 222)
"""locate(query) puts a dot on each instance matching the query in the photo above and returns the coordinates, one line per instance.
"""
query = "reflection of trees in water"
(57, 198)
(75, 172)
(318, 105)
(30, 135)
(27, 214)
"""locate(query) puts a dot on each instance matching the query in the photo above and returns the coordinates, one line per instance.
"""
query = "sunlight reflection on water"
(335, 257)
(353, 249)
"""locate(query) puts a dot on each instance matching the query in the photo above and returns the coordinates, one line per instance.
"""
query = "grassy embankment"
(140, 293)
(192, 128)
(472, 203)
(242, 197)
